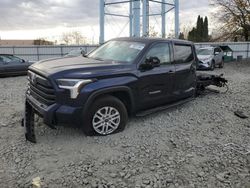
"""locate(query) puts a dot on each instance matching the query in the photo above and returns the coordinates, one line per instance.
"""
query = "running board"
(161, 108)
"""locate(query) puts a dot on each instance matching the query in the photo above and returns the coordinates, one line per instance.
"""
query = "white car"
(209, 58)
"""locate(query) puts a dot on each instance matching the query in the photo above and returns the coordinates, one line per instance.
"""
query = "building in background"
(25, 42)
(16, 42)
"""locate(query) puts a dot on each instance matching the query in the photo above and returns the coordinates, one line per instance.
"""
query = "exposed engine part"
(204, 80)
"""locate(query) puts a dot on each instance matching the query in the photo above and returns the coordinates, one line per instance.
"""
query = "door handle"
(171, 71)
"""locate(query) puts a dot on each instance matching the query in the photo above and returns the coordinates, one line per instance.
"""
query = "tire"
(221, 64)
(212, 66)
(97, 123)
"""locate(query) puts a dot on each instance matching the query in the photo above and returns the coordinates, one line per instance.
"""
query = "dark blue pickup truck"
(98, 91)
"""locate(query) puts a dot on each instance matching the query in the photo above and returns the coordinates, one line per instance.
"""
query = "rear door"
(156, 85)
(185, 70)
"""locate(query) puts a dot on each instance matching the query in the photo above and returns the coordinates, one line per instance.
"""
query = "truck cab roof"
(152, 39)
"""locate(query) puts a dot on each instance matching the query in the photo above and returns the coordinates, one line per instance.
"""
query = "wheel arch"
(123, 93)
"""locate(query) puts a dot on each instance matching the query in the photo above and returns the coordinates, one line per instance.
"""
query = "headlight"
(73, 85)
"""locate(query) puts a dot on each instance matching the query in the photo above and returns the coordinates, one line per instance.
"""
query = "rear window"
(183, 53)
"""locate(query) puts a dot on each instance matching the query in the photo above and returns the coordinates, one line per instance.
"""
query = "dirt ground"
(199, 144)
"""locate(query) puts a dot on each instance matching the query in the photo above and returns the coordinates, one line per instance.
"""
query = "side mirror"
(23, 61)
(83, 53)
(153, 61)
(150, 63)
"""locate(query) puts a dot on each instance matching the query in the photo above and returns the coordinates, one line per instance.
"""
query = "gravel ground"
(199, 144)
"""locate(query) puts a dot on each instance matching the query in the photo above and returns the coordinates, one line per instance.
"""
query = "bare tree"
(234, 16)
(78, 38)
(152, 32)
(186, 29)
(74, 37)
(66, 38)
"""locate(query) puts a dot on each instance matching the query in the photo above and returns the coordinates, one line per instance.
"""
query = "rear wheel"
(107, 115)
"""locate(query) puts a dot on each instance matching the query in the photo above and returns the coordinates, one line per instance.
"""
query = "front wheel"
(212, 66)
(107, 115)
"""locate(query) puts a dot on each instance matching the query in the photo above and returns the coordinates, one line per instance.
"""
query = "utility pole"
(135, 15)
(101, 21)
(163, 19)
(177, 24)
(136, 18)
(130, 18)
(145, 18)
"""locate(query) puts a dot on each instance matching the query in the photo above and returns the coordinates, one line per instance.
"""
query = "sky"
(49, 19)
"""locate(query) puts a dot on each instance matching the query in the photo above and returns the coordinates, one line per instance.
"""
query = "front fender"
(110, 85)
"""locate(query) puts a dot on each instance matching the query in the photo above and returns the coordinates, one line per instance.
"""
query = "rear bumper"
(56, 114)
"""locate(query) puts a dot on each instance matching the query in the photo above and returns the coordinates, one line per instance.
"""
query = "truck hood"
(79, 67)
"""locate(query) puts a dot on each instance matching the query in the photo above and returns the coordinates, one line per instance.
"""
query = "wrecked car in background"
(209, 58)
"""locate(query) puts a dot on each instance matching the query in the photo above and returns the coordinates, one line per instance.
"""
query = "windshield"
(204, 52)
(122, 51)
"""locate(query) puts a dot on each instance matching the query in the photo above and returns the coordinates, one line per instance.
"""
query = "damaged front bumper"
(32, 107)
(28, 123)
(52, 115)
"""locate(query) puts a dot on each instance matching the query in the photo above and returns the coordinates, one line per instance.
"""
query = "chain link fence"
(36, 53)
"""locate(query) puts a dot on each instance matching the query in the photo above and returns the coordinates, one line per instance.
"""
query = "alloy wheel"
(106, 120)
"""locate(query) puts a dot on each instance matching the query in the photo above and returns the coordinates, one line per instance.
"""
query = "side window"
(15, 59)
(161, 51)
(217, 50)
(183, 53)
(5, 59)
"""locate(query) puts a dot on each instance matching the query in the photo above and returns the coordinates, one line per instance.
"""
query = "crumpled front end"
(204, 65)
(41, 100)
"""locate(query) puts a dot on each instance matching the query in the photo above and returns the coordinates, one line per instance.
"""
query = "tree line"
(233, 23)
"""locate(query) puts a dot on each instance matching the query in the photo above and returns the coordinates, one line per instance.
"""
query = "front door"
(156, 84)
(15, 65)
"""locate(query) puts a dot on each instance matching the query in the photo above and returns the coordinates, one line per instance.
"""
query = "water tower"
(138, 9)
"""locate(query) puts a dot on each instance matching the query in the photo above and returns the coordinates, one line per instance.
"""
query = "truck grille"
(41, 89)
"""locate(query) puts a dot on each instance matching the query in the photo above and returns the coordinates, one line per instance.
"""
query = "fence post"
(248, 49)
(61, 50)
(37, 51)
(13, 50)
